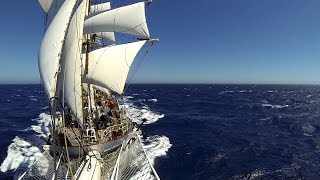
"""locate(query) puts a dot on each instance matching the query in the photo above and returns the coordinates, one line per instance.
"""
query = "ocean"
(192, 131)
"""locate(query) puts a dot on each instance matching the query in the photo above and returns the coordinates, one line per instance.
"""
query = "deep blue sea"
(193, 131)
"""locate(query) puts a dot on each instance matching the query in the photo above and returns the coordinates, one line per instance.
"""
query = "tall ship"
(84, 69)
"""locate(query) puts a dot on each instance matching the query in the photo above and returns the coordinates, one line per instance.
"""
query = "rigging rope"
(133, 74)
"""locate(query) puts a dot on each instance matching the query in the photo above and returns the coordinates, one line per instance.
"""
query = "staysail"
(71, 66)
(97, 8)
(127, 19)
(51, 48)
(109, 66)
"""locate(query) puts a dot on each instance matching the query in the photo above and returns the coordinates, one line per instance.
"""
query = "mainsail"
(51, 48)
(71, 65)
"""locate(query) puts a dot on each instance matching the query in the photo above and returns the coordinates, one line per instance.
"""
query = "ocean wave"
(46, 107)
(137, 115)
(43, 125)
(275, 106)
(244, 91)
(223, 92)
(20, 154)
(286, 172)
(153, 100)
(156, 146)
(128, 97)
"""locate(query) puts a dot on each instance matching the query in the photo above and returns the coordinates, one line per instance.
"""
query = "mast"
(87, 42)
(88, 46)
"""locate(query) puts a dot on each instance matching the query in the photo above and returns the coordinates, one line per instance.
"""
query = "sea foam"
(20, 154)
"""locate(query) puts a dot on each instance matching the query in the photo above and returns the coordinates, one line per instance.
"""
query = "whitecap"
(277, 106)
(223, 92)
(153, 100)
(272, 91)
(33, 99)
(20, 153)
(245, 91)
(43, 126)
(156, 146)
(46, 107)
(137, 115)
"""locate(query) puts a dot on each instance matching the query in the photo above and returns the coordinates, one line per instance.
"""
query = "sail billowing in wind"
(61, 58)
(71, 65)
(51, 48)
(127, 19)
(98, 8)
(106, 36)
(109, 66)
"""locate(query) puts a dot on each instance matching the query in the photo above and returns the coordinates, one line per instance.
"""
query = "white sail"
(106, 36)
(52, 9)
(51, 47)
(128, 19)
(45, 4)
(71, 66)
(94, 9)
(109, 66)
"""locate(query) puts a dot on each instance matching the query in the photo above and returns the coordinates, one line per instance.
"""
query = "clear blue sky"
(208, 41)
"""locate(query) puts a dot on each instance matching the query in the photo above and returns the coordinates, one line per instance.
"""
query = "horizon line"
(187, 83)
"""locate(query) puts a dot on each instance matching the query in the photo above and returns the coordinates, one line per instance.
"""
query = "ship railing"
(133, 162)
(43, 168)
(107, 134)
